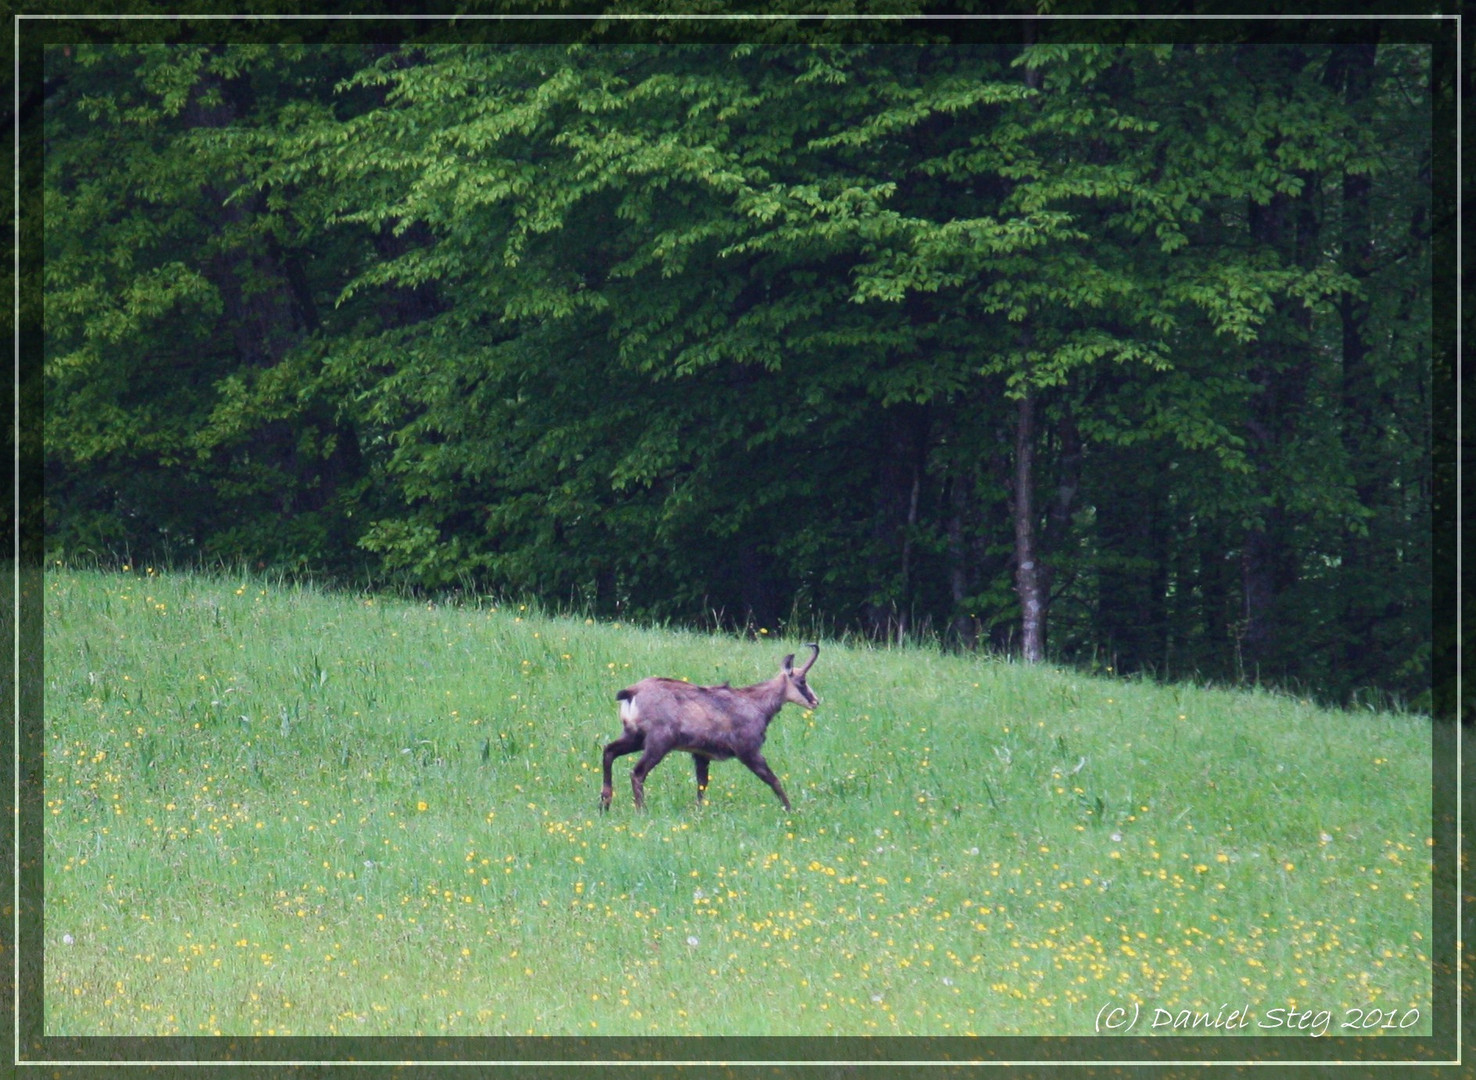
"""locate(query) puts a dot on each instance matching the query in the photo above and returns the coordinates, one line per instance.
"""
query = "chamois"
(712, 723)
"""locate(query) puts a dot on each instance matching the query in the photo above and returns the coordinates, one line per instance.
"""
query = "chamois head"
(796, 690)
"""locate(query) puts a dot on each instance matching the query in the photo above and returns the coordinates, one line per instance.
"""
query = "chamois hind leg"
(760, 767)
(702, 763)
(628, 743)
(649, 760)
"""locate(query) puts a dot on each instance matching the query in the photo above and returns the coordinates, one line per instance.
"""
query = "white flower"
(692, 940)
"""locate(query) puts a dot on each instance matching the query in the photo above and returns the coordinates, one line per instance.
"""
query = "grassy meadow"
(275, 810)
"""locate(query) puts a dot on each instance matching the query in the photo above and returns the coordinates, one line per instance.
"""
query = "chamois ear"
(788, 663)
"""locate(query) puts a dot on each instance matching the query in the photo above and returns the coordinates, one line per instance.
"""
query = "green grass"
(271, 810)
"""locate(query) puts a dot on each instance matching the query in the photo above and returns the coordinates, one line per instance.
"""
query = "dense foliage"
(1131, 343)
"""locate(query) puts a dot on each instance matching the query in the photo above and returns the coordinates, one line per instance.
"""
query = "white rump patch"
(629, 714)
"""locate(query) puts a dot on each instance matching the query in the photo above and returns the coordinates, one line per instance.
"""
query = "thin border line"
(644, 17)
(15, 420)
(16, 546)
(1459, 726)
(738, 1062)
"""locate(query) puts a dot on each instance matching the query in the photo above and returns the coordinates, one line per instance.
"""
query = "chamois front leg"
(760, 767)
(701, 763)
(628, 743)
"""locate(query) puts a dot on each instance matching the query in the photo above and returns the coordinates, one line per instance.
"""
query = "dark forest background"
(1126, 355)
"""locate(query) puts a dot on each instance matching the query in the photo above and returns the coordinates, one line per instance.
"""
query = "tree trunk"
(1258, 588)
(903, 450)
(1132, 542)
(905, 591)
(1030, 583)
(965, 627)
(757, 596)
(1215, 577)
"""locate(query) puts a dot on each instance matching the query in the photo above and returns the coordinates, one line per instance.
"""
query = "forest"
(1125, 354)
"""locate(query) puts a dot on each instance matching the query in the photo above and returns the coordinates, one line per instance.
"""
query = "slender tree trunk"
(1257, 583)
(757, 596)
(1029, 574)
(964, 624)
(1068, 482)
(1215, 577)
(1030, 583)
(1131, 576)
(903, 446)
(906, 589)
